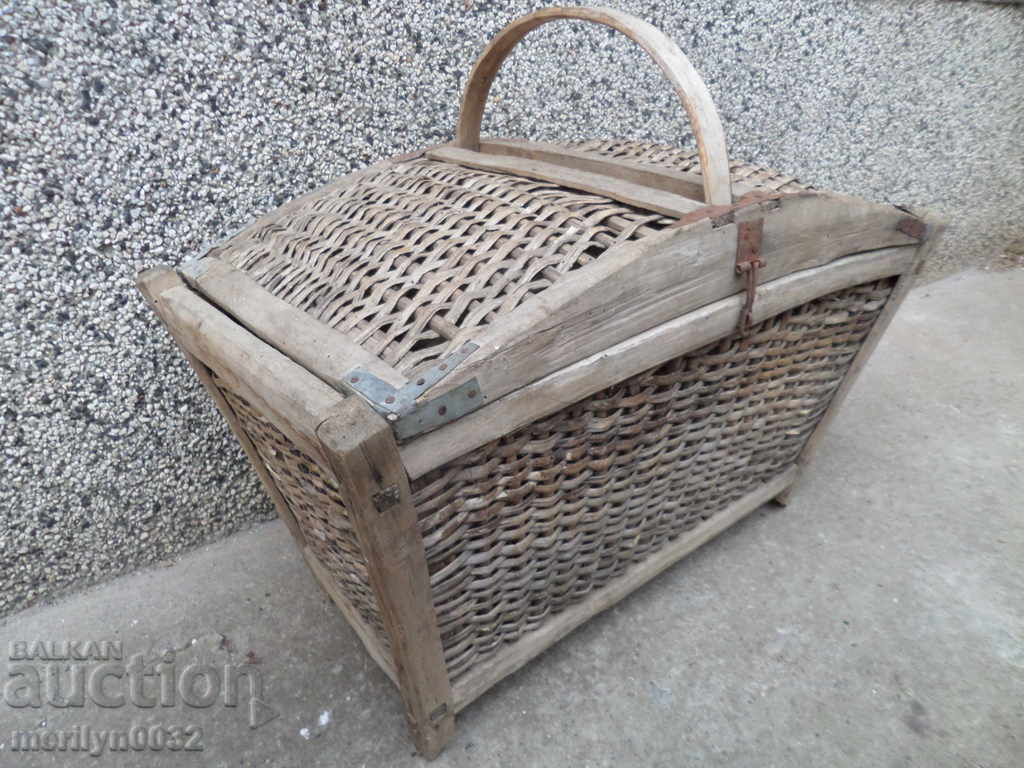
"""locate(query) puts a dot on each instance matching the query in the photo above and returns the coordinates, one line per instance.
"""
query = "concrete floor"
(876, 621)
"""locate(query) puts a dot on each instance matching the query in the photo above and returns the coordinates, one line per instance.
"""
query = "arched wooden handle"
(707, 128)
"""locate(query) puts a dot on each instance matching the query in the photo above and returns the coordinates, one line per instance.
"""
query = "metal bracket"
(386, 498)
(399, 406)
(749, 236)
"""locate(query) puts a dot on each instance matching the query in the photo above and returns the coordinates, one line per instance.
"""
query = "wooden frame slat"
(646, 174)
(320, 349)
(290, 397)
(152, 283)
(624, 191)
(361, 451)
(639, 353)
(638, 285)
(934, 230)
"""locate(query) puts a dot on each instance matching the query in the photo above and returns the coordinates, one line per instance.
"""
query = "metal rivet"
(442, 410)
(419, 382)
(386, 498)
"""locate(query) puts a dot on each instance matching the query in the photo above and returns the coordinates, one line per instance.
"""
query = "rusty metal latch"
(912, 227)
(749, 235)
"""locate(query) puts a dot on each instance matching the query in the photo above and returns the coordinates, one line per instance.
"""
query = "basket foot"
(432, 736)
(782, 499)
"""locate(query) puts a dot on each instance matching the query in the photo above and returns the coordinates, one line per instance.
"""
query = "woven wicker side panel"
(530, 523)
(314, 499)
(687, 160)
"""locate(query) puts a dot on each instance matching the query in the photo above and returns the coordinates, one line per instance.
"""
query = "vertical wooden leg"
(361, 449)
(782, 499)
(932, 235)
(362, 452)
(151, 284)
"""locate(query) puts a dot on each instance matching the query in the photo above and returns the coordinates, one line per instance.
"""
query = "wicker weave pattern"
(315, 501)
(405, 257)
(530, 523)
(687, 160)
(409, 255)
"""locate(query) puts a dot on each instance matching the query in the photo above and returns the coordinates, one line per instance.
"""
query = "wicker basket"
(494, 386)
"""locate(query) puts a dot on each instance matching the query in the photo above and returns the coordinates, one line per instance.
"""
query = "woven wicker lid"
(404, 256)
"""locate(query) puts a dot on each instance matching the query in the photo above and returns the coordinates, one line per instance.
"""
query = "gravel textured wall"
(135, 132)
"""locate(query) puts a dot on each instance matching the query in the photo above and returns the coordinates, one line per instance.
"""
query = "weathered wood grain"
(625, 191)
(688, 185)
(636, 286)
(320, 349)
(292, 399)
(646, 350)
(152, 283)
(658, 177)
(362, 453)
(691, 90)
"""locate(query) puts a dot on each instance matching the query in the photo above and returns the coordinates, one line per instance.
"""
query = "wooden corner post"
(931, 233)
(151, 284)
(362, 452)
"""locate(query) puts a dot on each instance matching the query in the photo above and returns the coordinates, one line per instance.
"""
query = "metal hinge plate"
(399, 406)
